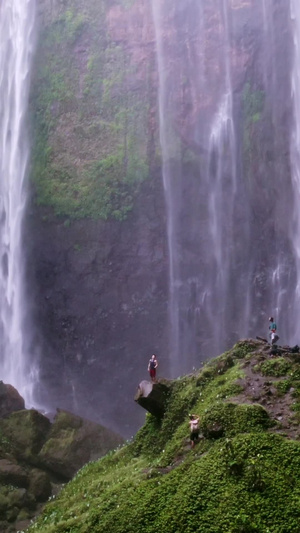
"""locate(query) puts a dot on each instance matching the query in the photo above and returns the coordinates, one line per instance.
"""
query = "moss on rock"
(228, 419)
(89, 109)
(26, 431)
(40, 485)
(244, 347)
(276, 367)
(73, 441)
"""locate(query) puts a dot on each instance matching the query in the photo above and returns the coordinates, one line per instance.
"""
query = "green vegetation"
(253, 103)
(89, 126)
(283, 386)
(208, 494)
(240, 479)
(275, 367)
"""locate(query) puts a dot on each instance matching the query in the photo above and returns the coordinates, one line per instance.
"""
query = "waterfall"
(295, 160)
(221, 184)
(168, 147)
(17, 39)
(199, 276)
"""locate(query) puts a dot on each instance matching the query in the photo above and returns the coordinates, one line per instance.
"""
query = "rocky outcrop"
(72, 442)
(153, 397)
(36, 456)
(40, 485)
(26, 431)
(13, 474)
(10, 400)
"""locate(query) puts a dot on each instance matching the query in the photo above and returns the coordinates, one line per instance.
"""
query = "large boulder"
(10, 400)
(74, 441)
(13, 474)
(40, 485)
(153, 397)
(26, 431)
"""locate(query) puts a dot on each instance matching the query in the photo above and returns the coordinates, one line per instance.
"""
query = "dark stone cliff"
(100, 283)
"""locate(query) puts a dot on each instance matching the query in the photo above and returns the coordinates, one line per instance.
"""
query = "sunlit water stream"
(17, 20)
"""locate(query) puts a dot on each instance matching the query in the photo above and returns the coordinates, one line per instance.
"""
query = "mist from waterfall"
(17, 21)
(221, 183)
(198, 294)
(223, 192)
(168, 148)
(295, 160)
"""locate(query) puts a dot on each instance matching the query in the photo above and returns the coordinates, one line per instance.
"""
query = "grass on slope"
(248, 480)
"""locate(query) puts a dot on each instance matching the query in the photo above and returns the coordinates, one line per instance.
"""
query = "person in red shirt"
(152, 366)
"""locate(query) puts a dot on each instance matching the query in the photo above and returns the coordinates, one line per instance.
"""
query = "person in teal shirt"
(272, 330)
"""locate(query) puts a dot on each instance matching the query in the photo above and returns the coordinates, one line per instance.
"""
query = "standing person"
(194, 429)
(152, 366)
(272, 330)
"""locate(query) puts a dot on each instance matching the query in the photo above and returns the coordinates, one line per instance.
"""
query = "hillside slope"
(243, 476)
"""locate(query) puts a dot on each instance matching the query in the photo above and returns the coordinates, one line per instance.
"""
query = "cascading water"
(17, 42)
(221, 182)
(295, 161)
(198, 293)
(168, 147)
(231, 263)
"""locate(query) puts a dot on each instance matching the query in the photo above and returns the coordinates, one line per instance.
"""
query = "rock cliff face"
(99, 258)
(99, 250)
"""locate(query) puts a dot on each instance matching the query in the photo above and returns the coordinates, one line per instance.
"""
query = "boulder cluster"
(38, 456)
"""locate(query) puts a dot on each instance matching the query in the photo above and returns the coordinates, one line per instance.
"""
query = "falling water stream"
(221, 183)
(196, 295)
(295, 158)
(17, 42)
(225, 276)
(168, 147)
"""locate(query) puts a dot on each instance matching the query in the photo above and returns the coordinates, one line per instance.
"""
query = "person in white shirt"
(194, 429)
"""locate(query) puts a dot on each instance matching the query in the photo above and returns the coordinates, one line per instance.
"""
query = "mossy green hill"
(242, 477)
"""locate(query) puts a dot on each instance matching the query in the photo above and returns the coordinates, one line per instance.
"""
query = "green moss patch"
(283, 386)
(242, 348)
(276, 367)
(228, 419)
(24, 432)
(90, 126)
(205, 493)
